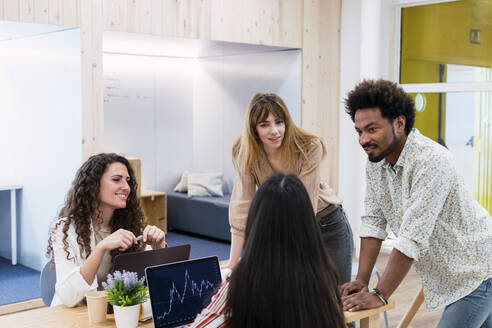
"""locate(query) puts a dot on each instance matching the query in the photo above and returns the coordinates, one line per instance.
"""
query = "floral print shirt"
(437, 223)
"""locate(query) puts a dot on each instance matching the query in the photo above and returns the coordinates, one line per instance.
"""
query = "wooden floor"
(403, 297)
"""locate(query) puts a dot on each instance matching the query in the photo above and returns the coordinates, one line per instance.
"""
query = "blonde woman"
(270, 142)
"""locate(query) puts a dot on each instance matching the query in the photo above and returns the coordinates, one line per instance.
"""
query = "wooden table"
(58, 317)
(368, 318)
(63, 317)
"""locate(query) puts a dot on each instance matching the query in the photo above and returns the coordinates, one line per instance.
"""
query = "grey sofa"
(207, 216)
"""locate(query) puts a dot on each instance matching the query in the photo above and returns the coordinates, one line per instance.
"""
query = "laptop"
(179, 291)
(138, 261)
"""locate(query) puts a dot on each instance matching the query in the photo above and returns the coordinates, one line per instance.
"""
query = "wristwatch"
(377, 292)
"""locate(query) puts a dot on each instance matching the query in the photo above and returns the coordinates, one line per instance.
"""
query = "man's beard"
(387, 151)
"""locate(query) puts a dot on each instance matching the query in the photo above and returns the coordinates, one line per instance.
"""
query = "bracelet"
(377, 292)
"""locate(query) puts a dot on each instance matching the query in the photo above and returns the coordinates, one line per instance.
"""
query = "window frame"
(441, 87)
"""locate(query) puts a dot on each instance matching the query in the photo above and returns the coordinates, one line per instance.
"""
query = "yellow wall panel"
(427, 121)
(441, 33)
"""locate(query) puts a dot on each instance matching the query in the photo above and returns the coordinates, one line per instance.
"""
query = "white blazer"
(71, 287)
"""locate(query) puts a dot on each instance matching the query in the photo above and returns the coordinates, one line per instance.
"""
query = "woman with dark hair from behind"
(285, 278)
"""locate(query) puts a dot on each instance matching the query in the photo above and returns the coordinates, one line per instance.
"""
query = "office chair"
(355, 269)
(47, 283)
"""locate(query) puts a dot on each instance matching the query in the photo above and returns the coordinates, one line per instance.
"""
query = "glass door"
(445, 64)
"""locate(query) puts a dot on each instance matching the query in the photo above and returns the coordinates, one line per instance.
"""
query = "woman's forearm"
(237, 242)
(89, 269)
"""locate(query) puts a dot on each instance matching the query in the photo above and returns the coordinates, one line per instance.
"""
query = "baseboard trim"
(21, 306)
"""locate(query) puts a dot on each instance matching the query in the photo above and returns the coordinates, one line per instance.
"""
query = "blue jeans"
(338, 241)
(471, 311)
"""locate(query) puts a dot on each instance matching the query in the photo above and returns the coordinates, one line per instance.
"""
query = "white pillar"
(360, 58)
(370, 31)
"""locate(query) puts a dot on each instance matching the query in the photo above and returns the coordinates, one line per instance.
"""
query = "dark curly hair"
(82, 205)
(391, 100)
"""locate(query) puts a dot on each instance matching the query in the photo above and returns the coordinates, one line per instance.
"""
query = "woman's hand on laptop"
(121, 239)
(154, 236)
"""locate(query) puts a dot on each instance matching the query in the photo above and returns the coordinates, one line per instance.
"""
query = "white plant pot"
(126, 316)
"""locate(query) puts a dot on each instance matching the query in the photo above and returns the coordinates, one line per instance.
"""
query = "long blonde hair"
(248, 148)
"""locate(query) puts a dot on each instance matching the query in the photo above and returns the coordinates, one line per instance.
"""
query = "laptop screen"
(138, 261)
(179, 291)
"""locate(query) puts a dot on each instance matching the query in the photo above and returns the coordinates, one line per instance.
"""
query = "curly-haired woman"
(101, 217)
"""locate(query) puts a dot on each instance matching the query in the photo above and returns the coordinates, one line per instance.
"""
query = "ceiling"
(15, 30)
(150, 45)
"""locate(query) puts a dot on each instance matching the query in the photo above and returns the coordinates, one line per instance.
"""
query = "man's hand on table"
(361, 301)
(353, 287)
(356, 296)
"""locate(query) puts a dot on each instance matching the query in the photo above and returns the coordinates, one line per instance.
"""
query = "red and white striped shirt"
(213, 316)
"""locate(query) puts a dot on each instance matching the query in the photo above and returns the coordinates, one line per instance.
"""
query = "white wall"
(223, 89)
(179, 114)
(40, 129)
(367, 38)
(138, 91)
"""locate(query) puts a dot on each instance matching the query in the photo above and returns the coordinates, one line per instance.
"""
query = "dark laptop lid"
(138, 261)
(179, 291)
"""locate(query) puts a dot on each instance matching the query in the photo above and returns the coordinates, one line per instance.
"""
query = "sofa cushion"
(205, 184)
(182, 185)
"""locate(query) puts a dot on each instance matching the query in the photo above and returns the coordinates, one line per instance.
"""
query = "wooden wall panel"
(156, 16)
(289, 28)
(131, 17)
(55, 12)
(143, 19)
(312, 25)
(170, 23)
(270, 22)
(41, 11)
(26, 10)
(227, 25)
(115, 13)
(11, 10)
(320, 80)
(246, 20)
(200, 20)
(263, 25)
(71, 12)
(91, 29)
(329, 94)
(184, 18)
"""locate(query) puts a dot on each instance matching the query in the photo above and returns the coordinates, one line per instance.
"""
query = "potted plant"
(126, 292)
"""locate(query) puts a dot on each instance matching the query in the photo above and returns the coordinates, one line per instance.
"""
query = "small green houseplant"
(126, 292)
